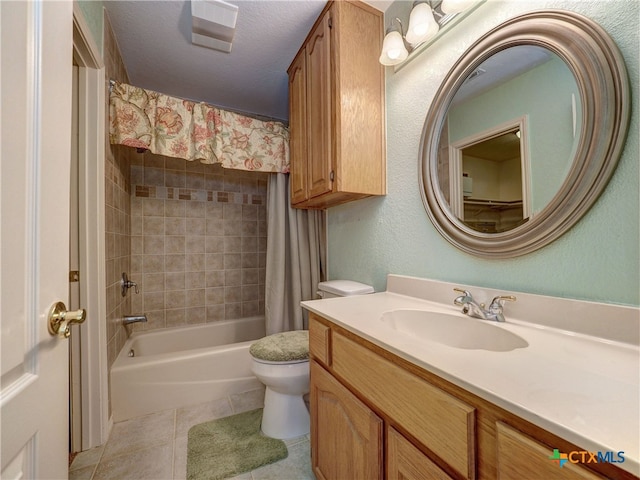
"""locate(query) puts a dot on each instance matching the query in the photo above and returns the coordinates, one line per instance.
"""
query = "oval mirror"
(524, 134)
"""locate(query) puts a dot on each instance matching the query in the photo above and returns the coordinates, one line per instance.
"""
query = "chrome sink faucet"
(474, 309)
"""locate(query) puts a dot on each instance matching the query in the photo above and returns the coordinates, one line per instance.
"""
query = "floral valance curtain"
(180, 128)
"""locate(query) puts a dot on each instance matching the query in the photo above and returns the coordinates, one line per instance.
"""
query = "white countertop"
(582, 388)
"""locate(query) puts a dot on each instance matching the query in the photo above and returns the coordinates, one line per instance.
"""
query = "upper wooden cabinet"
(336, 109)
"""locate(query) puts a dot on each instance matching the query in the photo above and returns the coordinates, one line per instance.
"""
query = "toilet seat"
(282, 348)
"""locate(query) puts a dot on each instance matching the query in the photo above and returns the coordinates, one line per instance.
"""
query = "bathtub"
(178, 367)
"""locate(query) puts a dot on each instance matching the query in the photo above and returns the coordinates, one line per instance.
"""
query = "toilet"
(281, 362)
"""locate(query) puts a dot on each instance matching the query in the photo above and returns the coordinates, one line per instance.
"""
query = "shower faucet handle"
(126, 284)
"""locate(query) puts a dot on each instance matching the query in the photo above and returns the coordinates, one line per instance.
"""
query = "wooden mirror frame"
(601, 76)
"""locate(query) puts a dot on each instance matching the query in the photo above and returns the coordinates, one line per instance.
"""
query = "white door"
(35, 126)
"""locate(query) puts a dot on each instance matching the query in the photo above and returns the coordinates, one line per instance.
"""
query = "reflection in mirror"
(525, 89)
(492, 178)
(489, 178)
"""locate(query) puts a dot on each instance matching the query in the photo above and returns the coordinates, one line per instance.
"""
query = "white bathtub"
(177, 367)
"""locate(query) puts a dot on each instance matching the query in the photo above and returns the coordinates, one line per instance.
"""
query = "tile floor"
(154, 447)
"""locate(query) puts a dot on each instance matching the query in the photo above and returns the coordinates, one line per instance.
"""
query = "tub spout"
(129, 319)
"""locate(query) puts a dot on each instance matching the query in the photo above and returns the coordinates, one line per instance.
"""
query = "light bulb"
(455, 6)
(393, 49)
(394, 53)
(422, 25)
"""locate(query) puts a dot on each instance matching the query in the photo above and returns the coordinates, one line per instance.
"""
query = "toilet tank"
(342, 288)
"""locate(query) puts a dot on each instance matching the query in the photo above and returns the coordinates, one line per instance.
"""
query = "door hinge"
(331, 175)
(74, 276)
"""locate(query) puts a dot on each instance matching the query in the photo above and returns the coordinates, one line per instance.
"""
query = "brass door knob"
(60, 320)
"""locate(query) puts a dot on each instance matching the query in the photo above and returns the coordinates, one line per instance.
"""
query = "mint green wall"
(549, 122)
(92, 10)
(598, 259)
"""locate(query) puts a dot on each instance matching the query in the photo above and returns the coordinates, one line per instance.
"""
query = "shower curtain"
(296, 246)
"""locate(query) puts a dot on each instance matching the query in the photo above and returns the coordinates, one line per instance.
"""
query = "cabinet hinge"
(330, 22)
(74, 276)
(332, 175)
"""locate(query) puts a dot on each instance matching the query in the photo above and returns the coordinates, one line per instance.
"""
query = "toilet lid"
(282, 347)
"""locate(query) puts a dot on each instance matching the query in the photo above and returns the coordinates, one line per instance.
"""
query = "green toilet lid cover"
(282, 347)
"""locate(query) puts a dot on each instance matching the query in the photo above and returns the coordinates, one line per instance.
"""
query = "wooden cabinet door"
(406, 462)
(346, 436)
(520, 456)
(319, 111)
(298, 142)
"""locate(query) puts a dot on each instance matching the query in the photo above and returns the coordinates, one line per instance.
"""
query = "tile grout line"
(173, 444)
(95, 467)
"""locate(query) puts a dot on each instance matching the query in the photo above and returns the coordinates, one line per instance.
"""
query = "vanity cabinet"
(336, 109)
(377, 415)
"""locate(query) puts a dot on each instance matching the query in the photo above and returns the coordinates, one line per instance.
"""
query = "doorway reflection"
(492, 184)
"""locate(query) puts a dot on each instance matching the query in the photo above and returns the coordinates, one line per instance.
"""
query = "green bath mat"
(230, 446)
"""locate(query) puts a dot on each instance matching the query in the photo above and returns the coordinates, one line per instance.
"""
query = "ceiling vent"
(475, 74)
(213, 24)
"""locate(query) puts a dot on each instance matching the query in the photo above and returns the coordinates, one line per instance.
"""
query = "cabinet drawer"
(520, 456)
(319, 340)
(438, 420)
(406, 462)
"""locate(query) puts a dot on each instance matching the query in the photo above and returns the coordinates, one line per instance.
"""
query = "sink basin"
(453, 330)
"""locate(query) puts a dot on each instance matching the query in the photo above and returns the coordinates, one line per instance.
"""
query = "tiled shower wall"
(198, 241)
(192, 236)
(117, 209)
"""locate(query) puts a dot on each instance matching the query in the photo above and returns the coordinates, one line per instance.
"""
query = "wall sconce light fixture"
(422, 27)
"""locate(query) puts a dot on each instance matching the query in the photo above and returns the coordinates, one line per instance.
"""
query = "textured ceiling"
(155, 41)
